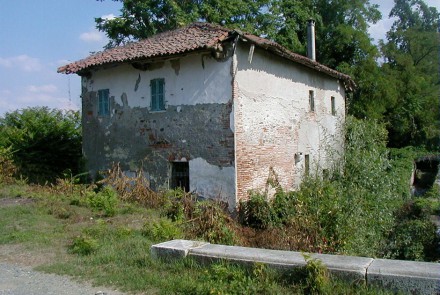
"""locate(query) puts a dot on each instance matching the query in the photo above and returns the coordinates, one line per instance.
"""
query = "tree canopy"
(398, 78)
(44, 143)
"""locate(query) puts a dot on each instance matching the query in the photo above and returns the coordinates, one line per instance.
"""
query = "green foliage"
(225, 278)
(411, 55)
(105, 201)
(83, 245)
(255, 212)
(413, 236)
(44, 143)
(162, 230)
(317, 278)
(141, 19)
(7, 167)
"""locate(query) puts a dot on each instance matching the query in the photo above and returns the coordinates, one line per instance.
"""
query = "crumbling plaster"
(273, 121)
(194, 127)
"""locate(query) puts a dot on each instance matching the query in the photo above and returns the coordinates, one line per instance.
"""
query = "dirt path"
(17, 279)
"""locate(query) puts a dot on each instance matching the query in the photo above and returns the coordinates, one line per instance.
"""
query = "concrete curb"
(405, 276)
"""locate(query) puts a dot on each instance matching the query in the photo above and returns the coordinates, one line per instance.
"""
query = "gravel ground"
(22, 280)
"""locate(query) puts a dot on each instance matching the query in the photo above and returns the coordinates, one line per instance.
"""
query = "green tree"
(411, 68)
(341, 28)
(141, 19)
(44, 142)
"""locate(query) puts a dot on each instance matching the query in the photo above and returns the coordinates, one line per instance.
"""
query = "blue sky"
(37, 37)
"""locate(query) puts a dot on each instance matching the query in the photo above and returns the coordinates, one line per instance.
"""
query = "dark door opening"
(180, 175)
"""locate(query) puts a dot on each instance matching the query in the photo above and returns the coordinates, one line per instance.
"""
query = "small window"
(325, 174)
(333, 106)
(103, 103)
(157, 94)
(307, 165)
(312, 100)
(180, 175)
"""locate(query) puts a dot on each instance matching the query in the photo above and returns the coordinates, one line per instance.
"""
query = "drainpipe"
(311, 53)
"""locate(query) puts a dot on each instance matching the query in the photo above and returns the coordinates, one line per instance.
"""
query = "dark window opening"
(312, 100)
(333, 106)
(180, 175)
(307, 165)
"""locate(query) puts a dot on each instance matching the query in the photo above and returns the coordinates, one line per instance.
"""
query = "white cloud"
(92, 36)
(108, 16)
(23, 62)
(49, 88)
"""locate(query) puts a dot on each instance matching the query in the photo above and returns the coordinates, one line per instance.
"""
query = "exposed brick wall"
(273, 121)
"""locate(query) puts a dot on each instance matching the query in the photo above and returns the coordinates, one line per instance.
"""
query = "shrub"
(413, 236)
(105, 201)
(162, 230)
(83, 245)
(7, 166)
(255, 212)
(45, 142)
(210, 222)
(317, 279)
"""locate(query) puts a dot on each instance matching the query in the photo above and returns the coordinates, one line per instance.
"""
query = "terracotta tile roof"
(190, 38)
(194, 37)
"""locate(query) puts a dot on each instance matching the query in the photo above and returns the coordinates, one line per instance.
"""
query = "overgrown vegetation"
(114, 249)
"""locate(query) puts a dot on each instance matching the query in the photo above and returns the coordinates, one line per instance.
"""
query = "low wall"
(405, 276)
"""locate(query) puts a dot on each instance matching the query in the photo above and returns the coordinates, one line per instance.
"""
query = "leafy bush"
(413, 236)
(255, 212)
(7, 166)
(83, 245)
(44, 143)
(105, 201)
(162, 230)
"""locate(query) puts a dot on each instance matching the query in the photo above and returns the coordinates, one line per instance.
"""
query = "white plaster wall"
(195, 82)
(211, 181)
(273, 121)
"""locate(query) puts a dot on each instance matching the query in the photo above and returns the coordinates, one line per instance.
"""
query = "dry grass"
(132, 189)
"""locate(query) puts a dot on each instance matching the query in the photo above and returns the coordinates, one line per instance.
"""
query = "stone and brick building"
(214, 110)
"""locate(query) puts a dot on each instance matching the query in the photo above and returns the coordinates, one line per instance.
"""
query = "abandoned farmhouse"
(213, 110)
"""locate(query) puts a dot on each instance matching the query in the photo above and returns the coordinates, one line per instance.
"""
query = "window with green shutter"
(103, 103)
(157, 94)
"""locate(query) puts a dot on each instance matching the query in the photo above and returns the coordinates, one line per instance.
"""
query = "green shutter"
(157, 94)
(103, 102)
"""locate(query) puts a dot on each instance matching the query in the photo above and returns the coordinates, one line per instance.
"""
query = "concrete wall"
(273, 121)
(195, 127)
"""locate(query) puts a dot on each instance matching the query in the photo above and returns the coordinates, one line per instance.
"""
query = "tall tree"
(141, 19)
(411, 67)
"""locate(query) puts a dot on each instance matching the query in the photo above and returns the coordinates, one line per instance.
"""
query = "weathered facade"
(213, 110)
